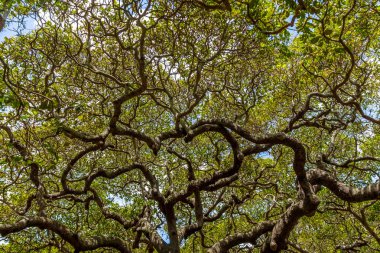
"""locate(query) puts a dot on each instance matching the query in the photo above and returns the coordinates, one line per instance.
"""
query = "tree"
(192, 126)
(17, 10)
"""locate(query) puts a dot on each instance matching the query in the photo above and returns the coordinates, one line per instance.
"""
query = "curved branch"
(78, 242)
(281, 231)
(341, 190)
(276, 139)
(239, 238)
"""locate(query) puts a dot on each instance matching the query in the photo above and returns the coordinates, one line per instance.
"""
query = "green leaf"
(315, 40)
(328, 32)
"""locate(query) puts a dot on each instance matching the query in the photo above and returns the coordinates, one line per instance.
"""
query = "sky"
(11, 28)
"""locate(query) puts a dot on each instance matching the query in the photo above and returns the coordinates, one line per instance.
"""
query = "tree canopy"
(191, 126)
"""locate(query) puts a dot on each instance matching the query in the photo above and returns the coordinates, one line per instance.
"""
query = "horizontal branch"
(78, 242)
(341, 190)
(239, 238)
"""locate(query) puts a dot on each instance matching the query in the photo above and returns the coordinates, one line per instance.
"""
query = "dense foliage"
(191, 126)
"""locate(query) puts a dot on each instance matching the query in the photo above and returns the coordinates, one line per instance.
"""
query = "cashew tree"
(191, 126)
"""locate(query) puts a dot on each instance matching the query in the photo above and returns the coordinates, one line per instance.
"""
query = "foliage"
(191, 126)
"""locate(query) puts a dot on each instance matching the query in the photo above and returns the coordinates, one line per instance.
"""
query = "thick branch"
(341, 190)
(239, 238)
(78, 242)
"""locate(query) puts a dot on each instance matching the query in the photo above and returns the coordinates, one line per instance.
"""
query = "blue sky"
(11, 28)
